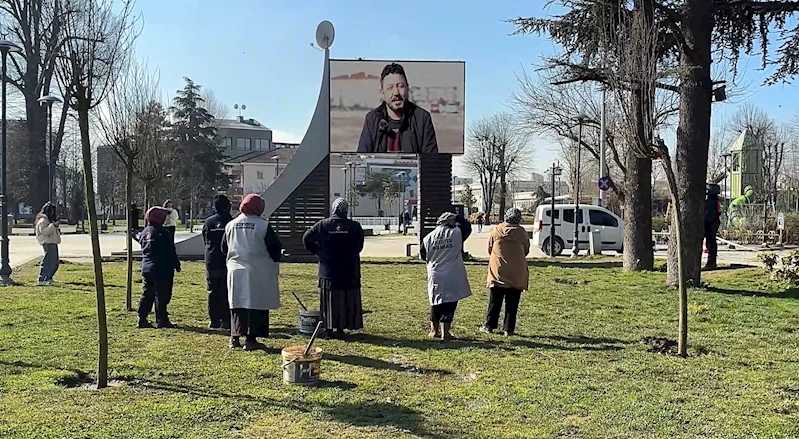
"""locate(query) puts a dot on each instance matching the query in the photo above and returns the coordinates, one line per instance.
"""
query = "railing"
(375, 221)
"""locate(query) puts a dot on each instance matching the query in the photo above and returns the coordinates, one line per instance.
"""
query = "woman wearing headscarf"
(447, 282)
(49, 237)
(171, 222)
(253, 255)
(508, 246)
(338, 242)
(215, 263)
(158, 266)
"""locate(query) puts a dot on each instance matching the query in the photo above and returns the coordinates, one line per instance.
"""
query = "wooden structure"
(435, 190)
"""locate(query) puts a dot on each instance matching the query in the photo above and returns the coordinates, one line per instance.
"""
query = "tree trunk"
(638, 251)
(99, 284)
(693, 138)
(36, 124)
(129, 232)
(147, 195)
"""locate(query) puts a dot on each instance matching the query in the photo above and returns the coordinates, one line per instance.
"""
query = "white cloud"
(285, 137)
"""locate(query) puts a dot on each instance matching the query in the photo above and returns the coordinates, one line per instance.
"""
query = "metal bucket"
(301, 369)
(308, 321)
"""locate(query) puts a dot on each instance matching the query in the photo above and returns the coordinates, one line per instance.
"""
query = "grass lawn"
(577, 368)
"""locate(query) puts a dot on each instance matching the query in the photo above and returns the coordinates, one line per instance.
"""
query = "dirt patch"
(559, 280)
(660, 345)
(83, 381)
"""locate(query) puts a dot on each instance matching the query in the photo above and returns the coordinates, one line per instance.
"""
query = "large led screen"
(396, 106)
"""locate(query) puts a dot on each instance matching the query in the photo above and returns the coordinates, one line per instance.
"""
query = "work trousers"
(157, 290)
(711, 231)
(218, 308)
(511, 297)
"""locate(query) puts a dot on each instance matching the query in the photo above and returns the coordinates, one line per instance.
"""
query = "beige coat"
(47, 232)
(508, 246)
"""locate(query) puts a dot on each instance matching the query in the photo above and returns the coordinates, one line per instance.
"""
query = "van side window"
(568, 216)
(599, 218)
(547, 213)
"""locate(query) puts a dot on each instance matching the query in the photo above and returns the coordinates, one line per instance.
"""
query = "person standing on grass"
(215, 264)
(49, 237)
(253, 255)
(508, 246)
(158, 266)
(338, 242)
(171, 222)
(447, 282)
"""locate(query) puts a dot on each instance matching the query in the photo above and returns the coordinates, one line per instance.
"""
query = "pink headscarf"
(252, 204)
(156, 215)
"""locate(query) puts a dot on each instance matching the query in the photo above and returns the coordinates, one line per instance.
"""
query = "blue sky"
(258, 52)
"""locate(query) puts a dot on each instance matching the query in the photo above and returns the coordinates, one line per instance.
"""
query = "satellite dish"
(243, 107)
(236, 106)
(325, 34)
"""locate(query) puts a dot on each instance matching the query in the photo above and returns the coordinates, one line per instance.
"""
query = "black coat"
(213, 232)
(712, 209)
(158, 252)
(338, 243)
(417, 134)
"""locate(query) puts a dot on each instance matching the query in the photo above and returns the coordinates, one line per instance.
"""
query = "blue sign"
(604, 183)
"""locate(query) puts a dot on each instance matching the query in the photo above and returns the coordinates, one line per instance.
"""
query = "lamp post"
(401, 199)
(556, 171)
(276, 158)
(6, 47)
(726, 174)
(581, 118)
(49, 100)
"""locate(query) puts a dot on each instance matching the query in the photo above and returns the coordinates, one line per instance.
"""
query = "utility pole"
(575, 246)
(553, 173)
(603, 165)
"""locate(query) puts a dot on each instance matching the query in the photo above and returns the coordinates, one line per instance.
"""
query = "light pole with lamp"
(49, 100)
(581, 119)
(276, 158)
(6, 47)
(401, 198)
(554, 172)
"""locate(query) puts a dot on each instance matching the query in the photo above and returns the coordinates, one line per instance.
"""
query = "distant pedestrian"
(447, 282)
(158, 267)
(48, 236)
(508, 275)
(479, 223)
(171, 221)
(253, 252)
(338, 242)
(215, 264)
(406, 222)
(712, 223)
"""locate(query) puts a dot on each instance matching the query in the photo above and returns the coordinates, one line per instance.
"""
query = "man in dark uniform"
(215, 265)
(158, 266)
(712, 222)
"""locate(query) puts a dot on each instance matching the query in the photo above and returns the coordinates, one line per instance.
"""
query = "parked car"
(589, 218)
(435, 108)
(450, 109)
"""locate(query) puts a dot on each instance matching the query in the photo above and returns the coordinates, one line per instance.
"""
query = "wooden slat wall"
(309, 203)
(435, 190)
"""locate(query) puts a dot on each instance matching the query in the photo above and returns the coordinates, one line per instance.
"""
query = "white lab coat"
(252, 275)
(446, 274)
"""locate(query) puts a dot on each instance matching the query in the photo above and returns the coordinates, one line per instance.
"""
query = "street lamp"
(401, 175)
(554, 172)
(6, 47)
(276, 158)
(352, 199)
(581, 119)
(49, 100)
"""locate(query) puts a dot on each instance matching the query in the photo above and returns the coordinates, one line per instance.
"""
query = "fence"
(377, 221)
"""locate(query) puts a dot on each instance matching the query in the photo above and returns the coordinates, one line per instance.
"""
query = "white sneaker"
(43, 283)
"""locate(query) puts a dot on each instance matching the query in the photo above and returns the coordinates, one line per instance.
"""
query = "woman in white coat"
(171, 223)
(447, 282)
(49, 237)
(252, 251)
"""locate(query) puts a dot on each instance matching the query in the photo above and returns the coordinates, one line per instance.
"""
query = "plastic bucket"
(308, 321)
(300, 369)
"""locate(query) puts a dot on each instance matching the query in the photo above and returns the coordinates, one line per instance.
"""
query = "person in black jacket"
(712, 223)
(397, 125)
(158, 267)
(215, 263)
(338, 242)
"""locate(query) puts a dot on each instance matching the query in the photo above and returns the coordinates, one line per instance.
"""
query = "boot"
(445, 334)
(251, 344)
(340, 335)
(435, 330)
(144, 323)
(234, 343)
(165, 324)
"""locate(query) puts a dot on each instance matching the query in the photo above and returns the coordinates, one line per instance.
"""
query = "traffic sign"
(604, 183)
(781, 221)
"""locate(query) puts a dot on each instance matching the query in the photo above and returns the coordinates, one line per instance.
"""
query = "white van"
(589, 218)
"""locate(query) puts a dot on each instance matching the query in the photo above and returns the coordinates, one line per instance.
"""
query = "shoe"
(330, 334)
(214, 325)
(445, 334)
(509, 333)
(144, 324)
(486, 329)
(340, 335)
(435, 330)
(225, 326)
(234, 343)
(165, 324)
(253, 345)
(45, 283)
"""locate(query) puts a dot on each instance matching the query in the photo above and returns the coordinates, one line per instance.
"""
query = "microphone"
(383, 126)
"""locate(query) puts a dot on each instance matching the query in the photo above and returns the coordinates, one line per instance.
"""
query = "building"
(241, 136)
(747, 164)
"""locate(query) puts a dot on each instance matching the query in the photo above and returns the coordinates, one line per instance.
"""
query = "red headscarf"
(252, 204)
(156, 215)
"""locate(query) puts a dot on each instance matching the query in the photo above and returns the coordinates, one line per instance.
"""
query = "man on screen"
(397, 125)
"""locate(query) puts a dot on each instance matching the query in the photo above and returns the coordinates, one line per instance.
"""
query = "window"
(242, 143)
(228, 142)
(736, 162)
(568, 216)
(599, 218)
(262, 144)
(557, 213)
(259, 175)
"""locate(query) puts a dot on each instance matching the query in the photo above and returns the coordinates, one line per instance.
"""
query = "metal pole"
(5, 267)
(552, 217)
(50, 153)
(603, 167)
(575, 245)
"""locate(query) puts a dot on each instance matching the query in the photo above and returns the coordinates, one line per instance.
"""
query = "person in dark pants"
(215, 263)
(338, 242)
(479, 223)
(508, 246)
(712, 223)
(158, 267)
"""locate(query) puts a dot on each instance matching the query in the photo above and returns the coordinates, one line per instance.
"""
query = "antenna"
(241, 108)
(325, 34)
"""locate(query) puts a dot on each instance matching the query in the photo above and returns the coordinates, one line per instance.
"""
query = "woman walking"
(49, 237)
(171, 222)
(338, 242)
(253, 255)
(447, 282)
(158, 266)
(508, 275)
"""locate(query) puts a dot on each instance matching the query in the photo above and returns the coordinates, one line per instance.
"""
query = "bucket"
(299, 369)
(308, 320)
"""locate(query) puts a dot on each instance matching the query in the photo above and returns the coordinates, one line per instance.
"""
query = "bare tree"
(213, 105)
(156, 149)
(99, 35)
(498, 151)
(119, 121)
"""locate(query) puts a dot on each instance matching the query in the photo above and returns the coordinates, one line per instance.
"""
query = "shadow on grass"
(383, 365)
(728, 268)
(790, 293)
(506, 344)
